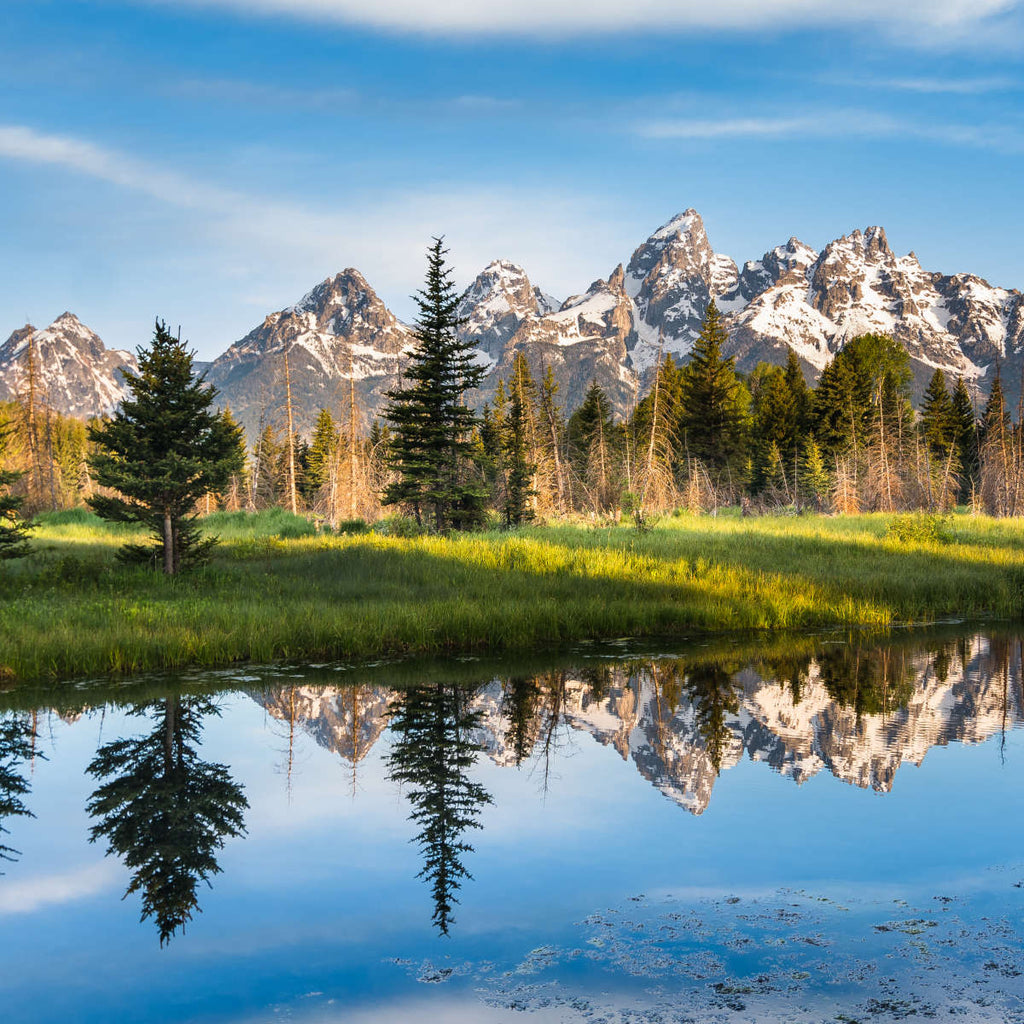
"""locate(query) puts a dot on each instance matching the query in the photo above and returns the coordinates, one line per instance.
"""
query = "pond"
(815, 828)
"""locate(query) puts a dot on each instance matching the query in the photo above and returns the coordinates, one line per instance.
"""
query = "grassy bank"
(277, 591)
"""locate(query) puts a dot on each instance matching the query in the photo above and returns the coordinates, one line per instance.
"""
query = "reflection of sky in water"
(319, 915)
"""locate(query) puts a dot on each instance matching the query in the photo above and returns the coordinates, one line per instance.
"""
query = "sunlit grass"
(276, 590)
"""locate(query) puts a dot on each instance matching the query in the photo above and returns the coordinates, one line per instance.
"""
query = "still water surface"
(826, 828)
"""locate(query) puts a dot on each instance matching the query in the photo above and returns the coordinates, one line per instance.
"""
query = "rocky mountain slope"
(339, 331)
(792, 296)
(75, 373)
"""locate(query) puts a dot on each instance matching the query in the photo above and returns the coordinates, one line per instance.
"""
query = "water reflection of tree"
(164, 810)
(17, 747)
(873, 681)
(432, 755)
(714, 694)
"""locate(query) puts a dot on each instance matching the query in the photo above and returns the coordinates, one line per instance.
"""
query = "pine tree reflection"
(715, 696)
(432, 754)
(164, 810)
(17, 736)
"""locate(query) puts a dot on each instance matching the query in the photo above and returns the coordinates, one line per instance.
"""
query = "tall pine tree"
(518, 444)
(162, 451)
(432, 451)
(713, 420)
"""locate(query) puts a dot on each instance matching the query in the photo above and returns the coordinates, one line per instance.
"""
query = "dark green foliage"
(432, 755)
(320, 452)
(814, 479)
(516, 444)
(713, 421)
(995, 420)
(13, 531)
(520, 706)
(432, 450)
(165, 811)
(780, 400)
(593, 440)
(162, 451)
(937, 424)
(715, 696)
(17, 735)
(965, 437)
(269, 468)
(591, 424)
(867, 385)
(866, 679)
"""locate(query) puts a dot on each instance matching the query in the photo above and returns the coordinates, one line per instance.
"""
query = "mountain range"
(793, 296)
(799, 734)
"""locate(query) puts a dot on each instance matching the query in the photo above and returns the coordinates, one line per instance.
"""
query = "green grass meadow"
(276, 590)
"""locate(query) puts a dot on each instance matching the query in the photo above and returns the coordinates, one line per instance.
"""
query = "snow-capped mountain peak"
(67, 364)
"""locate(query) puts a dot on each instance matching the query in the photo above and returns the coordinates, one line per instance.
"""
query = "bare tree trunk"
(169, 566)
(291, 437)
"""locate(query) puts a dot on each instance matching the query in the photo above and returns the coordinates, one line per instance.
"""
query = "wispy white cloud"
(25, 895)
(830, 124)
(591, 17)
(265, 239)
(928, 85)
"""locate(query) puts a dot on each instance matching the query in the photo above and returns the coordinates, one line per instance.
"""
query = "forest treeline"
(704, 436)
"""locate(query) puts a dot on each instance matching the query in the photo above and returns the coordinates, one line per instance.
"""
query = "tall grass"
(72, 610)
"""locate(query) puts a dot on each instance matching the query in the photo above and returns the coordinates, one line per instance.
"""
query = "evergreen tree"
(433, 755)
(814, 479)
(13, 532)
(517, 444)
(714, 696)
(162, 451)
(937, 415)
(965, 437)
(269, 469)
(591, 436)
(713, 422)
(165, 811)
(552, 446)
(996, 454)
(17, 737)
(778, 413)
(321, 452)
(433, 445)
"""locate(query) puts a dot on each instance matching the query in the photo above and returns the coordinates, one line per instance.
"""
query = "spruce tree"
(516, 444)
(13, 532)
(965, 437)
(162, 451)
(164, 810)
(432, 755)
(433, 446)
(321, 451)
(592, 436)
(712, 426)
(937, 415)
(813, 477)
(17, 748)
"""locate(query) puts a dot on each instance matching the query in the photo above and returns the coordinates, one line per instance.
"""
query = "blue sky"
(209, 161)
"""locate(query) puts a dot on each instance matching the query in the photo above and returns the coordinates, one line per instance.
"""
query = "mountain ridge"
(792, 296)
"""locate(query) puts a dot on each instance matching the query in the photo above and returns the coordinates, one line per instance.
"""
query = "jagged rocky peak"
(500, 298)
(785, 264)
(671, 278)
(339, 330)
(342, 304)
(73, 371)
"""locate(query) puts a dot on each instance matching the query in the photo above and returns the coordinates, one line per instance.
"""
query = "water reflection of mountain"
(858, 713)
